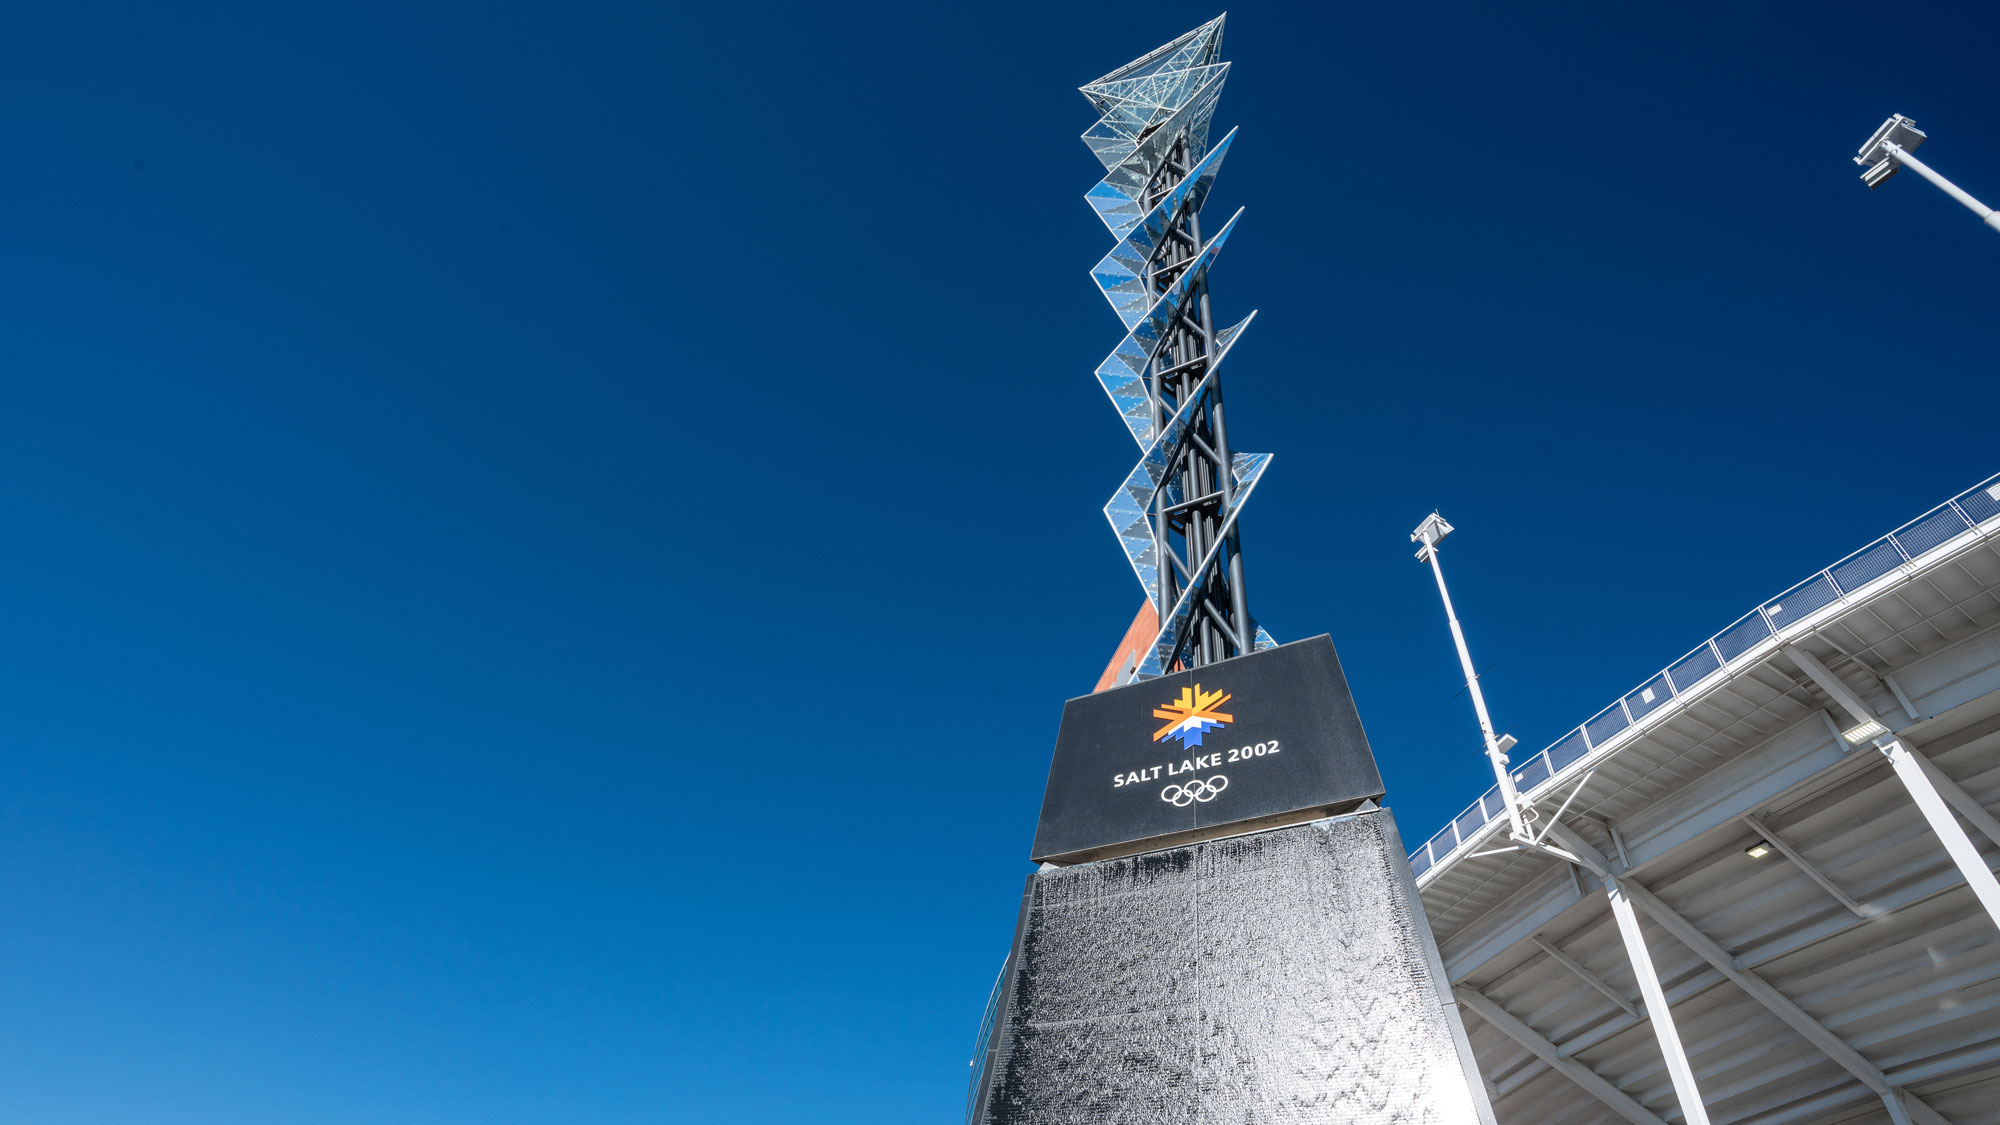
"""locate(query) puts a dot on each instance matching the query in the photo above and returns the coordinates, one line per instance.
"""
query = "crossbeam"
(1955, 795)
(1771, 837)
(1587, 977)
(1934, 793)
(1513, 1028)
(1761, 990)
(1766, 995)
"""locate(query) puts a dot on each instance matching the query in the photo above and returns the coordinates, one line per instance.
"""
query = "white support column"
(1956, 796)
(1937, 811)
(1777, 1003)
(1628, 893)
(1505, 1022)
(1926, 784)
(1657, 1013)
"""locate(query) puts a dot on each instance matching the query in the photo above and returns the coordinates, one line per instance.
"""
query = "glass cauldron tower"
(1176, 514)
(1222, 924)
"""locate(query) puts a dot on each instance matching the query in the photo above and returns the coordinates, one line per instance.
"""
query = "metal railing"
(1894, 551)
(988, 1024)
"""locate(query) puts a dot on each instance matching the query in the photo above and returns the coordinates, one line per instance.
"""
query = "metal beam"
(1760, 990)
(1837, 689)
(1507, 1024)
(1799, 754)
(1784, 766)
(1923, 787)
(1535, 905)
(1927, 785)
(1815, 874)
(1956, 796)
(1967, 805)
(1906, 1108)
(1588, 977)
(1658, 1014)
(1902, 697)
(1952, 792)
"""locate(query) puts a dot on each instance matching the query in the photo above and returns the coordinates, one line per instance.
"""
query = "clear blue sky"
(544, 546)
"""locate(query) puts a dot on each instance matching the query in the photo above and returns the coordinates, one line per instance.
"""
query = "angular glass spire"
(1175, 514)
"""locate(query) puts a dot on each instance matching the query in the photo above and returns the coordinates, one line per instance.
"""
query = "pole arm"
(1501, 767)
(1902, 156)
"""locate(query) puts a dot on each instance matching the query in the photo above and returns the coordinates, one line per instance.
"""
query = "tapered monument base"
(1281, 978)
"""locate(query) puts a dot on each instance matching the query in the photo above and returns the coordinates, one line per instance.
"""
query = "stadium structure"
(1794, 821)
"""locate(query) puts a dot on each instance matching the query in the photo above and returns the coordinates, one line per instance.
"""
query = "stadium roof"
(1846, 974)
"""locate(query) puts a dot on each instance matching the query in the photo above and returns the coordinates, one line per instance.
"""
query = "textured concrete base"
(1281, 978)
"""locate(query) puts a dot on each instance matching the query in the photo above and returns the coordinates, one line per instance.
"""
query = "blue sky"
(545, 545)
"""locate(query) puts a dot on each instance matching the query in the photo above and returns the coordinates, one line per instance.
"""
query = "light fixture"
(1430, 533)
(1862, 732)
(1879, 158)
(1890, 149)
(1758, 850)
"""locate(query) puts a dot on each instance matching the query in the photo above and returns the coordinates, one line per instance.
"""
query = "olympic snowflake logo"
(1192, 715)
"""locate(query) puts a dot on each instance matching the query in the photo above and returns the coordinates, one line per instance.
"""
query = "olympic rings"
(1202, 789)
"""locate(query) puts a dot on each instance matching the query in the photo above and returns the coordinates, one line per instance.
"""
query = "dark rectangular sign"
(1263, 737)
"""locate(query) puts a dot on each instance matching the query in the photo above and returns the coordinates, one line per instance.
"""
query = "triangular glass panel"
(1197, 46)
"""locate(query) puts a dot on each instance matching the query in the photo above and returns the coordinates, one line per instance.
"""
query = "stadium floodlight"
(1429, 534)
(1758, 850)
(1888, 151)
(1899, 131)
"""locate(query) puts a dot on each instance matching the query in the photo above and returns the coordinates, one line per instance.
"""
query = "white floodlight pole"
(1429, 534)
(1889, 150)
(1902, 156)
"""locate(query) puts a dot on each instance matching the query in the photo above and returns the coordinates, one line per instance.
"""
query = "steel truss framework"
(1176, 514)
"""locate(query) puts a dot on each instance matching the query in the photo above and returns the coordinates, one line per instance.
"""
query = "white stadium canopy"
(1775, 815)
